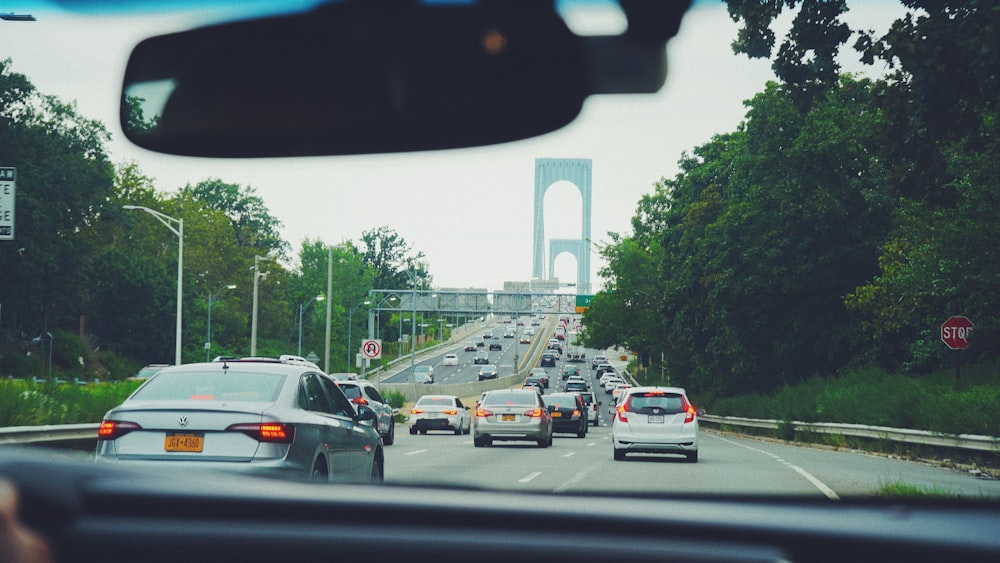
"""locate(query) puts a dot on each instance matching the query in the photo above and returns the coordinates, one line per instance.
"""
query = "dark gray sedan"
(254, 416)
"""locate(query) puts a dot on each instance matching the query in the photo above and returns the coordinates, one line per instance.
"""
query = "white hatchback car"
(655, 420)
(450, 360)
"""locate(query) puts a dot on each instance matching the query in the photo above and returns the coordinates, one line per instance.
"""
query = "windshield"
(800, 234)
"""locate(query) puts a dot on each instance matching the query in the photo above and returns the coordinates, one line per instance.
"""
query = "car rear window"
(647, 403)
(352, 391)
(529, 399)
(436, 401)
(565, 401)
(212, 386)
(587, 397)
(576, 386)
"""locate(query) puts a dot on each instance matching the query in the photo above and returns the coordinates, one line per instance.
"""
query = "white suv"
(655, 420)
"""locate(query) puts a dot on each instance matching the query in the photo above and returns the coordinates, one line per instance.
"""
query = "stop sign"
(956, 332)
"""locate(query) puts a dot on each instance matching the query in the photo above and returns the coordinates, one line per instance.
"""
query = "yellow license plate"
(556, 414)
(507, 418)
(184, 443)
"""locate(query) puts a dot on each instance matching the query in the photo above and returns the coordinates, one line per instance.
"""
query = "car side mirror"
(366, 414)
(701, 412)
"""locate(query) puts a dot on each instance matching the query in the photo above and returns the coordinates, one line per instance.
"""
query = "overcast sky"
(469, 211)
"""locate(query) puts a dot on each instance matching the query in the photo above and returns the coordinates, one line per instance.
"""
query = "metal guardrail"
(973, 442)
(48, 433)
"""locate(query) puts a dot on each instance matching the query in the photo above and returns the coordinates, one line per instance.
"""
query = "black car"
(569, 413)
(548, 360)
(488, 371)
(495, 344)
(534, 382)
(568, 370)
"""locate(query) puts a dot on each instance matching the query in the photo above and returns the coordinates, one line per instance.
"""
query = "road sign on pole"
(371, 349)
(8, 178)
(956, 332)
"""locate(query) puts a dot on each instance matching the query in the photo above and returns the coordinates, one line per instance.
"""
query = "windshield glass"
(797, 232)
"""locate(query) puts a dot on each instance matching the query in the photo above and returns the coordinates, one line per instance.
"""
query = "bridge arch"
(576, 171)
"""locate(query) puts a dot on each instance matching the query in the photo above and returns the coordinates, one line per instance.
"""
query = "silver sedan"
(255, 416)
(512, 414)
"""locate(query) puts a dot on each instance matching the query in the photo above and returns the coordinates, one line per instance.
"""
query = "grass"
(900, 489)
(25, 403)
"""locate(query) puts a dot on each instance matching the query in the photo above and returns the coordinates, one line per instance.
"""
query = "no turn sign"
(372, 349)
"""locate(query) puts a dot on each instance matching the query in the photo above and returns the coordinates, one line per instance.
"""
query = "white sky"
(469, 211)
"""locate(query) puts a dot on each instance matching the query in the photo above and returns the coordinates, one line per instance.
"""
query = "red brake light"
(689, 411)
(359, 401)
(450, 411)
(275, 432)
(534, 413)
(623, 410)
(113, 429)
(416, 411)
(483, 413)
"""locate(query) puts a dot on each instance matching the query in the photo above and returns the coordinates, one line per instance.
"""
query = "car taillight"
(450, 411)
(483, 413)
(359, 401)
(113, 429)
(689, 411)
(623, 410)
(576, 412)
(275, 432)
(416, 411)
(533, 413)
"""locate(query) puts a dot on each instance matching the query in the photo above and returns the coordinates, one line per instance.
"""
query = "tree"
(64, 179)
(389, 256)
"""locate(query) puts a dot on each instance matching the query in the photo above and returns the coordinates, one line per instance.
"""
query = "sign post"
(956, 333)
(8, 181)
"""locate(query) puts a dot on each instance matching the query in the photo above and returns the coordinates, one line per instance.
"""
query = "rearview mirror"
(355, 77)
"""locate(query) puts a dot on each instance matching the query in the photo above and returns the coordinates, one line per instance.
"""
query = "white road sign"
(8, 176)
(372, 349)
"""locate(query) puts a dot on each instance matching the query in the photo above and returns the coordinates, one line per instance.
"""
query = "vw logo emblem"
(182, 421)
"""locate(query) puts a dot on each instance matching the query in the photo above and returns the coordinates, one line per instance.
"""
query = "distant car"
(423, 374)
(568, 370)
(147, 372)
(612, 383)
(512, 414)
(440, 412)
(576, 379)
(534, 382)
(508, 334)
(655, 420)
(598, 360)
(489, 371)
(495, 344)
(540, 373)
(482, 357)
(524, 339)
(471, 346)
(450, 360)
(593, 407)
(569, 414)
(529, 331)
(604, 368)
(365, 393)
(534, 322)
(618, 391)
(480, 343)
(488, 335)
(575, 387)
(548, 359)
(605, 377)
(250, 416)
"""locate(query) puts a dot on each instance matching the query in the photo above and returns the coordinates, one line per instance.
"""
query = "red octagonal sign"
(956, 332)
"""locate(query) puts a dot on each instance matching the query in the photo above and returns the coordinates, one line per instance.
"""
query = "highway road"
(727, 466)
(466, 371)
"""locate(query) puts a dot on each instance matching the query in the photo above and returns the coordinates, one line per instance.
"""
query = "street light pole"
(169, 223)
(208, 335)
(253, 316)
(302, 309)
(413, 325)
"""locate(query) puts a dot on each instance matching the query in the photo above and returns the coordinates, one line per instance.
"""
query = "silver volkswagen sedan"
(255, 416)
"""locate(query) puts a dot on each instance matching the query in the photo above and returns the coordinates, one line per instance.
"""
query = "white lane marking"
(415, 452)
(809, 477)
(592, 444)
(570, 454)
(529, 478)
(576, 479)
